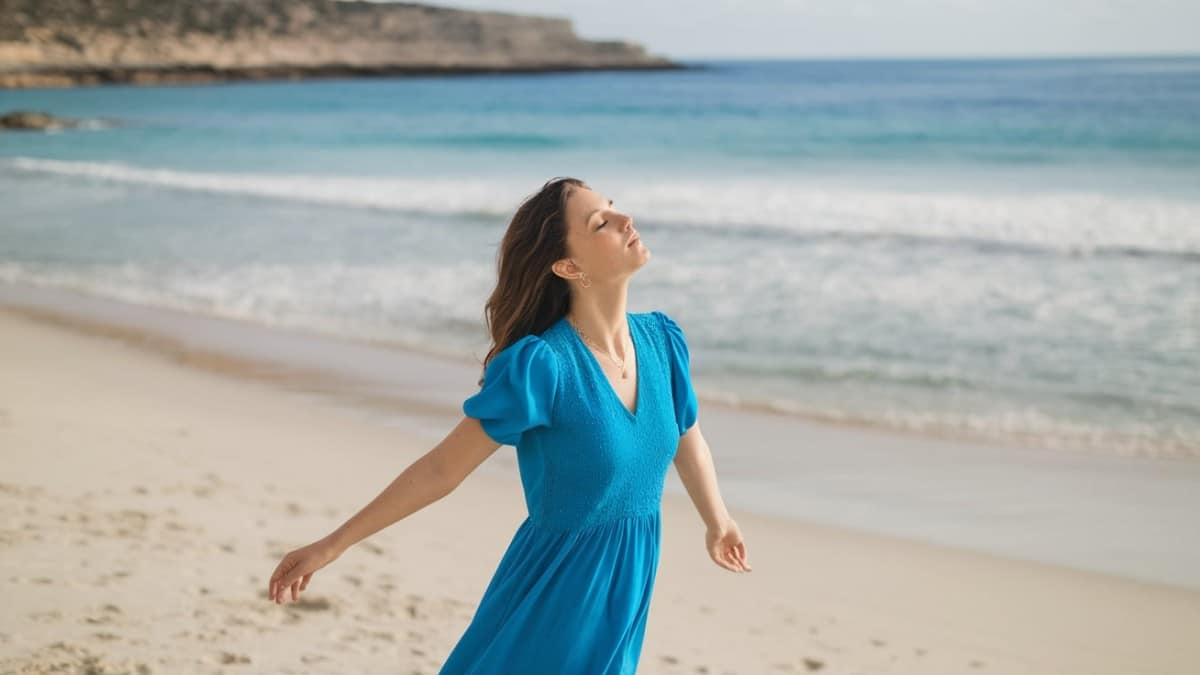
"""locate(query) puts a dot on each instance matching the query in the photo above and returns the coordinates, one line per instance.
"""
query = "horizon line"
(936, 57)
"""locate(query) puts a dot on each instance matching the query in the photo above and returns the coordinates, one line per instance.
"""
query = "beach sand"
(146, 498)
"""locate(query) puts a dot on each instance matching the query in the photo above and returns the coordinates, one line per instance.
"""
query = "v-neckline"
(599, 372)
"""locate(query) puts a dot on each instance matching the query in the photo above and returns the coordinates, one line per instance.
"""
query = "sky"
(700, 29)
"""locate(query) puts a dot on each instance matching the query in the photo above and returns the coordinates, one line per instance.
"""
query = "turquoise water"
(1005, 249)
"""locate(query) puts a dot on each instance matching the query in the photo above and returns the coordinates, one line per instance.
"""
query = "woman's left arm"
(723, 539)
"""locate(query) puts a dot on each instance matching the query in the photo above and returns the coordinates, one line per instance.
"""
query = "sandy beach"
(147, 497)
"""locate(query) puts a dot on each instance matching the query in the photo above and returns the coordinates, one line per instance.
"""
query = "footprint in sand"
(66, 657)
(105, 580)
(373, 548)
(227, 658)
(312, 604)
(813, 664)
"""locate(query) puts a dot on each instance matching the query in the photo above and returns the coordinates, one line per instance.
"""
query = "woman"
(598, 403)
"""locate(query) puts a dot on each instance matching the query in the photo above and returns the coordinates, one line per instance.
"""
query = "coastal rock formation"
(83, 42)
(32, 120)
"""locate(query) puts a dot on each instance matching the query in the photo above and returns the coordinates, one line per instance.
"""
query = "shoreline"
(149, 76)
(847, 423)
(149, 500)
(944, 492)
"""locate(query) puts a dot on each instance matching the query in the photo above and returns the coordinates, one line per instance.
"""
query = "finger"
(281, 573)
(740, 561)
(733, 564)
(304, 582)
(273, 586)
(746, 559)
(295, 590)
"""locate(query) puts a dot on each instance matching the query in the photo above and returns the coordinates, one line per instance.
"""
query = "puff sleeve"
(519, 385)
(684, 396)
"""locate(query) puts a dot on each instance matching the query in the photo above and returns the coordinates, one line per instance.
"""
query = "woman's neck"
(605, 328)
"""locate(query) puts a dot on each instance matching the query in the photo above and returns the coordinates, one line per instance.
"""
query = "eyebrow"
(589, 218)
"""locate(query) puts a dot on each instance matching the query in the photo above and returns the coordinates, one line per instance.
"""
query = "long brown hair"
(529, 297)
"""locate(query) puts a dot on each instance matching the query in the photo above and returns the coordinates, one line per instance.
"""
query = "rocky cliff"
(83, 42)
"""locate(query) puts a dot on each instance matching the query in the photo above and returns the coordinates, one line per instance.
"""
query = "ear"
(565, 268)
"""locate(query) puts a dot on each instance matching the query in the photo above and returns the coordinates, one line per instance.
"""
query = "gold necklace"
(620, 364)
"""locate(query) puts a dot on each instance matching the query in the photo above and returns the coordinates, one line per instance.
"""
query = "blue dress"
(572, 592)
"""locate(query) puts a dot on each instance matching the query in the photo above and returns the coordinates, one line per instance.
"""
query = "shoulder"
(664, 322)
(653, 317)
(530, 353)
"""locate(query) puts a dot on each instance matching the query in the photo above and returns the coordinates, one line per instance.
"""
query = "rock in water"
(31, 120)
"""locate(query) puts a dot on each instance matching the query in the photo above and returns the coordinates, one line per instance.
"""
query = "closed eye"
(603, 223)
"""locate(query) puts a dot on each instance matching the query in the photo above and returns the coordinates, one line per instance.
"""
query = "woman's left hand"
(726, 548)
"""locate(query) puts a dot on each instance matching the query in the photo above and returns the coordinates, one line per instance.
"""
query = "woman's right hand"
(297, 567)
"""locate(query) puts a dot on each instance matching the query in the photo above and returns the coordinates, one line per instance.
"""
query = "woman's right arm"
(434, 475)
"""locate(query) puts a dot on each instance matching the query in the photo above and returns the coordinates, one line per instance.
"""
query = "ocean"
(994, 249)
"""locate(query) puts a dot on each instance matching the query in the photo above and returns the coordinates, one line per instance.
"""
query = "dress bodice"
(584, 458)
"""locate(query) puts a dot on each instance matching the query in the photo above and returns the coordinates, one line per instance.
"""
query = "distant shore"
(150, 42)
(49, 77)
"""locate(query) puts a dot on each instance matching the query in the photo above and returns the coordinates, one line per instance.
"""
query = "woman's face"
(601, 239)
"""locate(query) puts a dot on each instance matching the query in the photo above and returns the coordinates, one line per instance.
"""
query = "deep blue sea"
(1007, 249)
